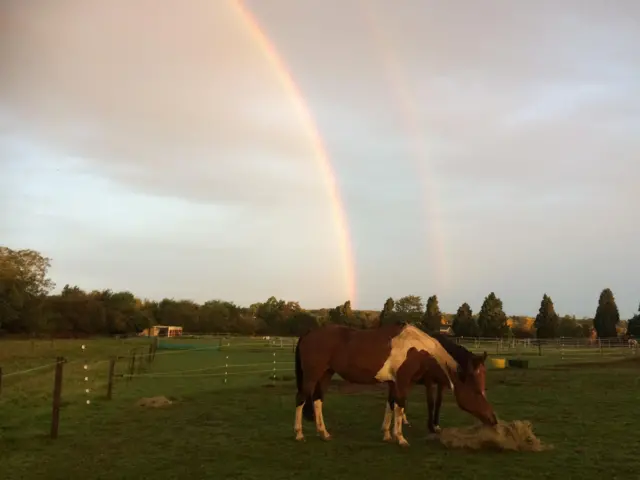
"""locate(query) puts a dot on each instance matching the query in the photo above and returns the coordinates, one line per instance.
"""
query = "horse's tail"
(298, 367)
(308, 412)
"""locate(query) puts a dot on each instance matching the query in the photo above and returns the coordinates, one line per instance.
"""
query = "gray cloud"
(486, 142)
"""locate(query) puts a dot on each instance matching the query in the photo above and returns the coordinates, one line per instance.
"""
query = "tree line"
(27, 306)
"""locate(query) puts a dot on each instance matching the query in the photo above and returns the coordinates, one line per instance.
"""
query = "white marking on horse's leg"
(320, 426)
(323, 425)
(397, 426)
(297, 426)
(386, 423)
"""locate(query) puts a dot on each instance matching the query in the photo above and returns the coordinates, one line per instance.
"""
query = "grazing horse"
(430, 375)
(395, 354)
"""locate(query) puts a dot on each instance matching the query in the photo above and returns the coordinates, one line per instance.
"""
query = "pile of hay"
(154, 402)
(517, 435)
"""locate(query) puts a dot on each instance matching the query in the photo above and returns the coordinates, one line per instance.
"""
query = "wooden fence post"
(57, 395)
(112, 369)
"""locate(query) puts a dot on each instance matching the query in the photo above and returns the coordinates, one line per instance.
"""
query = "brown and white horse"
(431, 375)
(398, 355)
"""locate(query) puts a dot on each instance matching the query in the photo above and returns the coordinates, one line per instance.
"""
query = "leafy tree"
(302, 322)
(346, 311)
(547, 320)
(432, 318)
(342, 314)
(23, 287)
(409, 304)
(28, 306)
(387, 309)
(523, 327)
(28, 269)
(633, 327)
(492, 321)
(220, 316)
(76, 311)
(568, 327)
(366, 319)
(390, 315)
(464, 325)
(275, 314)
(607, 316)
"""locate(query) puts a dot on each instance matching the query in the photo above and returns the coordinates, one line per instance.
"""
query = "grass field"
(581, 401)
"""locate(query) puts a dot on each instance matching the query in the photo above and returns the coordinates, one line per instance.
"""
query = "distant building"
(446, 330)
(162, 331)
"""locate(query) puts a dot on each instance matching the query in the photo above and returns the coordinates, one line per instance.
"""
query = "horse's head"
(470, 390)
(473, 372)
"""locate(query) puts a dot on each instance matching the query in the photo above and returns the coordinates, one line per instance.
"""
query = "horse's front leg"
(388, 415)
(399, 393)
(398, 415)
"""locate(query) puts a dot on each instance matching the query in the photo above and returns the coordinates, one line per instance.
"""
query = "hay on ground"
(517, 435)
(154, 402)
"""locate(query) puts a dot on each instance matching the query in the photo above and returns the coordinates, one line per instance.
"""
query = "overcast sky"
(478, 147)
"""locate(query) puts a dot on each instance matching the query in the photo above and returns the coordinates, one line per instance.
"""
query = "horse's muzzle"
(493, 421)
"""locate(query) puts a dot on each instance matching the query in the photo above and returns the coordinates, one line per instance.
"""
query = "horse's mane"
(460, 354)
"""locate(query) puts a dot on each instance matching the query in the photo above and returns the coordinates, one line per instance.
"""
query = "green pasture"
(240, 424)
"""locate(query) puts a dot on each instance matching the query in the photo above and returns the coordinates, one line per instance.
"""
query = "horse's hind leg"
(318, 398)
(305, 404)
(297, 426)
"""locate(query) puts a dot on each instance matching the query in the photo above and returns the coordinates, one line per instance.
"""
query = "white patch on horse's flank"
(412, 337)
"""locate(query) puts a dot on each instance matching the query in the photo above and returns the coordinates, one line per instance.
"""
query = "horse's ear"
(479, 360)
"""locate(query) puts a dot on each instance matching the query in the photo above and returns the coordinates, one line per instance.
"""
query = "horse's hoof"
(437, 429)
(403, 443)
(300, 438)
(387, 438)
(326, 437)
